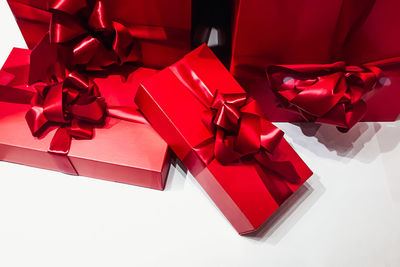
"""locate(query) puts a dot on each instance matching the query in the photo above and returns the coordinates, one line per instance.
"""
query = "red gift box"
(162, 36)
(358, 35)
(246, 179)
(121, 150)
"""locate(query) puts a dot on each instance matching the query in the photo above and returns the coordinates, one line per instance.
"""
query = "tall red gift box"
(313, 34)
(161, 27)
(121, 151)
(247, 190)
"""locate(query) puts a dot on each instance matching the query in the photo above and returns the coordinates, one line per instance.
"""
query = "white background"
(347, 214)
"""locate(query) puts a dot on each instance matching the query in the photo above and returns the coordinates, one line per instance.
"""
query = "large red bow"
(85, 37)
(240, 132)
(75, 106)
(326, 93)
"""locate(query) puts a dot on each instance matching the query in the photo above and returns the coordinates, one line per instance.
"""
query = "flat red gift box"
(246, 193)
(120, 151)
(317, 32)
(161, 28)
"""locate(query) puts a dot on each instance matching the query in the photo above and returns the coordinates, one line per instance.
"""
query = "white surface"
(348, 214)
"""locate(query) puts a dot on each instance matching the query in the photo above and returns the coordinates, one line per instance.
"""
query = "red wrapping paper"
(120, 151)
(240, 190)
(314, 32)
(378, 38)
(173, 28)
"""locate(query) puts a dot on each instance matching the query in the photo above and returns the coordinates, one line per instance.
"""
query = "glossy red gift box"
(246, 193)
(120, 151)
(161, 28)
(356, 32)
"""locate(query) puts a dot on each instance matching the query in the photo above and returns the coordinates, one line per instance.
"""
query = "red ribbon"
(326, 93)
(240, 130)
(73, 105)
(83, 37)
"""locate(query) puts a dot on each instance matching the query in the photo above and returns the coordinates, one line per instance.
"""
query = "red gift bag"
(310, 60)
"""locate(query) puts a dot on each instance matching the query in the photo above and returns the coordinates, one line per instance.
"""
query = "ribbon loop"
(80, 129)
(64, 28)
(92, 112)
(248, 140)
(53, 106)
(69, 7)
(77, 81)
(98, 20)
(36, 120)
(270, 136)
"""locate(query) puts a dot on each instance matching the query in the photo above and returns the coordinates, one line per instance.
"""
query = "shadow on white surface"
(388, 141)
(345, 145)
(290, 212)
(176, 182)
(280, 223)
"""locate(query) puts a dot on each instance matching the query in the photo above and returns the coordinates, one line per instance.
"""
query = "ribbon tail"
(200, 156)
(195, 84)
(277, 187)
(127, 113)
(61, 142)
(384, 62)
(13, 95)
(281, 164)
(282, 172)
(205, 151)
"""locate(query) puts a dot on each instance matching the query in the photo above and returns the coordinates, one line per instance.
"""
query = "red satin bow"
(74, 105)
(241, 131)
(239, 127)
(326, 93)
(86, 36)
